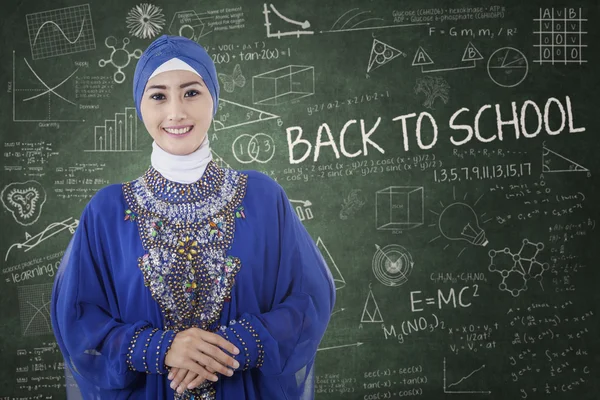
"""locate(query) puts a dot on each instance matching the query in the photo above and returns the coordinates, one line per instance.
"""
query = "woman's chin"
(182, 148)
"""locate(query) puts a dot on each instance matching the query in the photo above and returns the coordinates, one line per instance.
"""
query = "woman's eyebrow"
(190, 83)
(183, 85)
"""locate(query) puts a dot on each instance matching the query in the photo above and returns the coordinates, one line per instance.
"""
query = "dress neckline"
(175, 192)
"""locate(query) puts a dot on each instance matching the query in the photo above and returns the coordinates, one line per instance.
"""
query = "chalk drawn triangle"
(232, 115)
(374, 315)
(474, 53)
(555, 162)
(338, 279)
(381, 54)
(421, 58)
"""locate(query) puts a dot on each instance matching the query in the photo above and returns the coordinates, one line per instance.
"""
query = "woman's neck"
(182, 169)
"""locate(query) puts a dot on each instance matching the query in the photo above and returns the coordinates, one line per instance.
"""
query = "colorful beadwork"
(239, 212)
(188, 248)
(216, 228)
(130, 215)
(186, 231)
(156, 227)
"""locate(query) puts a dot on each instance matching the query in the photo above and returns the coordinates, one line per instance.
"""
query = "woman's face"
(177, 109)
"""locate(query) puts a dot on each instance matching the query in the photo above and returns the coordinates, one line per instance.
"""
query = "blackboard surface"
(442, 154)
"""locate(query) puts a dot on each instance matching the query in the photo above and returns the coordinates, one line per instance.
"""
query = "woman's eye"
(157, 96)
(192, 93)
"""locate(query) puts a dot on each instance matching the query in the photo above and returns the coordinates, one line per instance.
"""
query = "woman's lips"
(179, 127)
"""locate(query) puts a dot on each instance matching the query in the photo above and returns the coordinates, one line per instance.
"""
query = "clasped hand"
(197, 355)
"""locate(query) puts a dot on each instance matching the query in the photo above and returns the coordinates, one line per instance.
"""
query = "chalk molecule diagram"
(119, 57)
(518, 268)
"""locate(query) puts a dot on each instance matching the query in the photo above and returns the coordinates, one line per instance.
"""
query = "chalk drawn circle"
(187, 28)
(379, 48)
(259, 147)
(507, 67)
(392, 265)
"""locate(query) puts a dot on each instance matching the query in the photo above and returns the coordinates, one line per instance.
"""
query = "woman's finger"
(201, 370)
(173, 372)
(188, 378)
(207, 360)
(196, 382)
(219, 341)
(181, 374)
(220, 357)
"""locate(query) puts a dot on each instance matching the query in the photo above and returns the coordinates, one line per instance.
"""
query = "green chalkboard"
(442, 155)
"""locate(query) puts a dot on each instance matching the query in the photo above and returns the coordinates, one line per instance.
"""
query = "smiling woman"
(155, 299)
(177, 109)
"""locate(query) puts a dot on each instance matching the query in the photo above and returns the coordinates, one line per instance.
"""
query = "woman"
(192, 281)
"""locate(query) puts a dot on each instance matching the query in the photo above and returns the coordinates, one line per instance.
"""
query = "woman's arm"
(99, 348)
(284, 340)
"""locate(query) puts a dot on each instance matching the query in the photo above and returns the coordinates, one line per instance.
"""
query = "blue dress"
(226, 254)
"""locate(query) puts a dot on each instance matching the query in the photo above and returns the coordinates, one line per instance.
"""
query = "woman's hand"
(183, 379)
(199, 351)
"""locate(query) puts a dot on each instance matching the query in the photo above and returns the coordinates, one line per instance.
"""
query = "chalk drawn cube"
(399, 207)
(284, 84)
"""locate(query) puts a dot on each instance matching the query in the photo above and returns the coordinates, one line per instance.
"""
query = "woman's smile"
(178, 131)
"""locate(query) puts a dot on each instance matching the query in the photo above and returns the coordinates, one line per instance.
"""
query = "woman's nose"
(176, 110)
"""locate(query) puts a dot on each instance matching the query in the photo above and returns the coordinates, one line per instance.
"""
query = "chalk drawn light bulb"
(458, 221)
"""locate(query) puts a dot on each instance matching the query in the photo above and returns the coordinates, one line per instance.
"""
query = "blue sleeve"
(285, 339)
(100, 349)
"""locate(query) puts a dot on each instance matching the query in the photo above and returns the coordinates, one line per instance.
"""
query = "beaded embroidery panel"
(186, 231)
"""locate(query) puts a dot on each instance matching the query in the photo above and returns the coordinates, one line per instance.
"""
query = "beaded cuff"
(261, 353)
(158, 346)
(243, 335)
(145, 353)
(169, 343)
(132, 345)
(149, 358)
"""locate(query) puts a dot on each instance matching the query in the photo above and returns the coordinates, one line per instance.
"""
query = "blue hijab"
(165, 48)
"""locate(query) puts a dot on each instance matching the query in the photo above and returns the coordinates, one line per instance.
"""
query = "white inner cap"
(172, 65)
